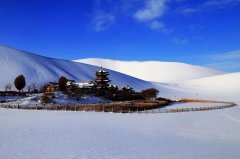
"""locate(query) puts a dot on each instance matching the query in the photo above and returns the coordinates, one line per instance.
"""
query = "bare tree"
(32, 87)
(8, 87)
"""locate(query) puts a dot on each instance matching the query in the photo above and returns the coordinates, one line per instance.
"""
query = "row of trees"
(112, 93)
(20, 83)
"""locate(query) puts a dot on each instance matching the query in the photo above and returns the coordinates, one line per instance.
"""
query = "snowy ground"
(59, 98)
(192, 105)
(10, 98)
(31, 134)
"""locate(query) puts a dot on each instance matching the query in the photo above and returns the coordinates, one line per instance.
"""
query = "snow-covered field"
(59, 98)
(10, 98)
(88, 135)
(192, 105)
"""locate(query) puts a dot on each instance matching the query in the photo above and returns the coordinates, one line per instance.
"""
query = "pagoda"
(102, 79)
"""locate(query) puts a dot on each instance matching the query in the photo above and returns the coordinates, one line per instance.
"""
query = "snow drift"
(220, 87)
(225, 86)
(38, 69)
(156, 71)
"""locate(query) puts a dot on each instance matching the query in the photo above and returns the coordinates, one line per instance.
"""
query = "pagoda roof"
(102, 80)
(102, 71)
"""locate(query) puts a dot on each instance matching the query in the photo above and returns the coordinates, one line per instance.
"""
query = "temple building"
(52, 87)
(102, 79)
(83, 85)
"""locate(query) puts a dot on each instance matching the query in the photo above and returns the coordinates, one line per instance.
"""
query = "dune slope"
(156, 71)
(38, 69)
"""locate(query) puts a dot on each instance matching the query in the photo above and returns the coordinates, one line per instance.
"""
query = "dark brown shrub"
(150, 93)
(45, 98)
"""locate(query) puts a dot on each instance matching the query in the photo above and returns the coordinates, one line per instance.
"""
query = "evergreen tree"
(20, 82)
(62, 82)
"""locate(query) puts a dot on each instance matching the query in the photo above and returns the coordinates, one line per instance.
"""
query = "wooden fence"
(106, 108)
(13, 93)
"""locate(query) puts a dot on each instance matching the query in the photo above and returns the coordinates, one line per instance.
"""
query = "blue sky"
(203, 32)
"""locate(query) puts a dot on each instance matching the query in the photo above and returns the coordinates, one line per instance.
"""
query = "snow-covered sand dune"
(38, 69)
(224, 87)
(179, 80)
(156, 71)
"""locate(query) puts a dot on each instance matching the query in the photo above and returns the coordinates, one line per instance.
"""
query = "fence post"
(18, 106)
(65, 107)
(75, 107)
